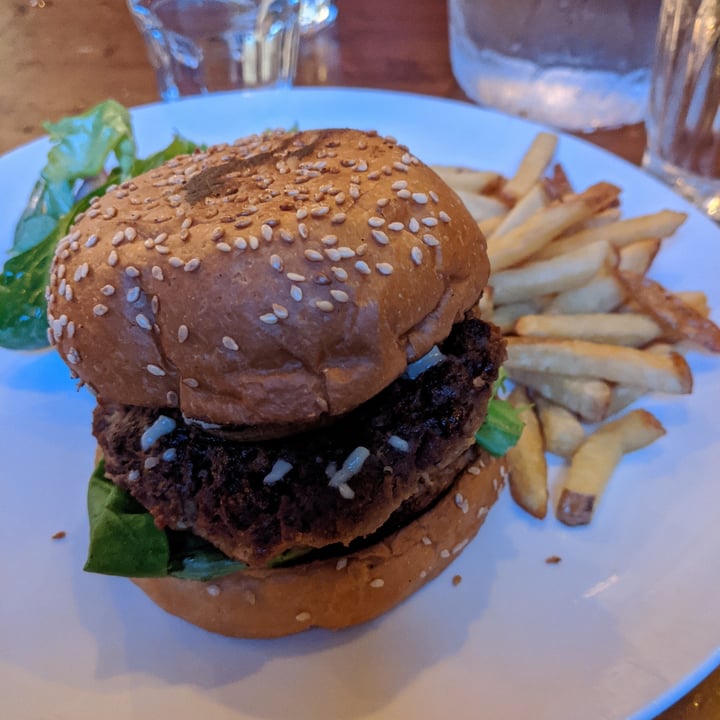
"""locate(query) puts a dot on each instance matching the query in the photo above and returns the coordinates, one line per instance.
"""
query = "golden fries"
(632, 330)
(588, 333)
(549, 276)
(578, 358)
(679, 320)
(562, 431)
(528, 467)
(531, 167)
(543, 226)
(595, 460)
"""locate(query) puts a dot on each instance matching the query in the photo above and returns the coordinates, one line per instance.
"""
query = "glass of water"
(201, 46)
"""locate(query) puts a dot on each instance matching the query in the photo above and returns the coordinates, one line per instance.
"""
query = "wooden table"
(59, 57)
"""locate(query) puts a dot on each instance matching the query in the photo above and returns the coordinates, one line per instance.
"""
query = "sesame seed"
(444, 216)
(133, 476)
(340, 295)
(68, 293)
(423, 574)
(254, 243)
(240, 243)
(295, 277)
(416, 255)
(434, 196)
(420, 198)
(286, 236)
(191, 265)
(303, 231)
(404, 194)
(276, 262)
(303, 617)
(176, 262)
(319, 211)
(346, 252)
(384, 268)
(266, 231)
(396, 226)
(341, 564)
(73, 356)
(324, 305)
(462, 502)
(191, 382)
(157, 273)
(426, 540)
(296, 293)
(162, 250)
(313, 255)
(217, 234)
(402, 167)
(109, 212)
(430, 240)
(280, 310)
(151, 462)
(183, 235)
(143, 322)
(169, 454)
(112, 258)
(445, 554)
(186, 223)
(269, 318)
(346, 491)
(130, 234)
(399, 185)
(61, 271)
(338, 219)
(413, 225)
(340, 198)
(382, 202)
(459, 547)
(429, 221)
(354, 191)
(149, 244)
(230, 344)
(91, 241)
(301, 214)
(380, 237)
(213, 590)
(71, 329)
(182, 333)
(133, 294)
(132, 271)
(362, 267)
(376, 222)
(333, 254)
(340, 273)
(329, 240)
(117, 238)
(155, 370)
(377, 583)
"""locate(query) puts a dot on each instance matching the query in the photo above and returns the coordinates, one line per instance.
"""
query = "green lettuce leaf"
(502, 427)
(123, 537)
(80, 154)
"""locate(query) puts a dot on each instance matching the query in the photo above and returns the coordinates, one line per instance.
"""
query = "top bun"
(274, 281)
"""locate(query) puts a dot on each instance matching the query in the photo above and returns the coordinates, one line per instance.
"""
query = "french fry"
(528, 467)
(679, 320)
(600, 219)
(638, 256)
(539, 229)
(557, 185)
(487, 226)
(531, 167)
(578, 358)
(696, 299)
(549, 276)
(472, 181)
(561, 430)
(603, 293)
(631, 330)
(482, 207)
(587, 398)
(485, 304)
(620, 233)
(533, 201)
(505, 316)
(595, 460)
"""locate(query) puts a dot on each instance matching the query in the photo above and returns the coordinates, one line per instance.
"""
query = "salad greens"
(76, 171)
(503, 426)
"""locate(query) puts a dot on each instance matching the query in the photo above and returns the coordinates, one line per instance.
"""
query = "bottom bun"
(342, 591)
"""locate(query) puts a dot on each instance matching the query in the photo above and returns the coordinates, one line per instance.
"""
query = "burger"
(283, 339)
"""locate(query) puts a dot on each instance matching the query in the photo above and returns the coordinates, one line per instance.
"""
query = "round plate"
(625, 624)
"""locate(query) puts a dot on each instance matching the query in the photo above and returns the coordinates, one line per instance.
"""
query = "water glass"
(683, 122)
(315, 15)
(577, 65)
(200, 46)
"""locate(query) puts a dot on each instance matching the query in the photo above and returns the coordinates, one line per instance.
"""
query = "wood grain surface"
(59, 57)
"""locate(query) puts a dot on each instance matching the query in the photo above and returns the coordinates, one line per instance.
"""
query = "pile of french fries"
(588, 332)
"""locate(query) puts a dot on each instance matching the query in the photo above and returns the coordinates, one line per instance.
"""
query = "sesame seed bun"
(338, 592)
(277, 281)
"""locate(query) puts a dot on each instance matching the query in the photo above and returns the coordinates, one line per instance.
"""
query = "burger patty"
(258, 500)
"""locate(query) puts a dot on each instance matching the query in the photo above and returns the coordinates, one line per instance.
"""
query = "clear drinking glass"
(316, 14)
(574, 64)
(683, 122)
(199, 46)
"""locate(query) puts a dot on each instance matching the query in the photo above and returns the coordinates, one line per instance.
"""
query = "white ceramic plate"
(625, 624)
